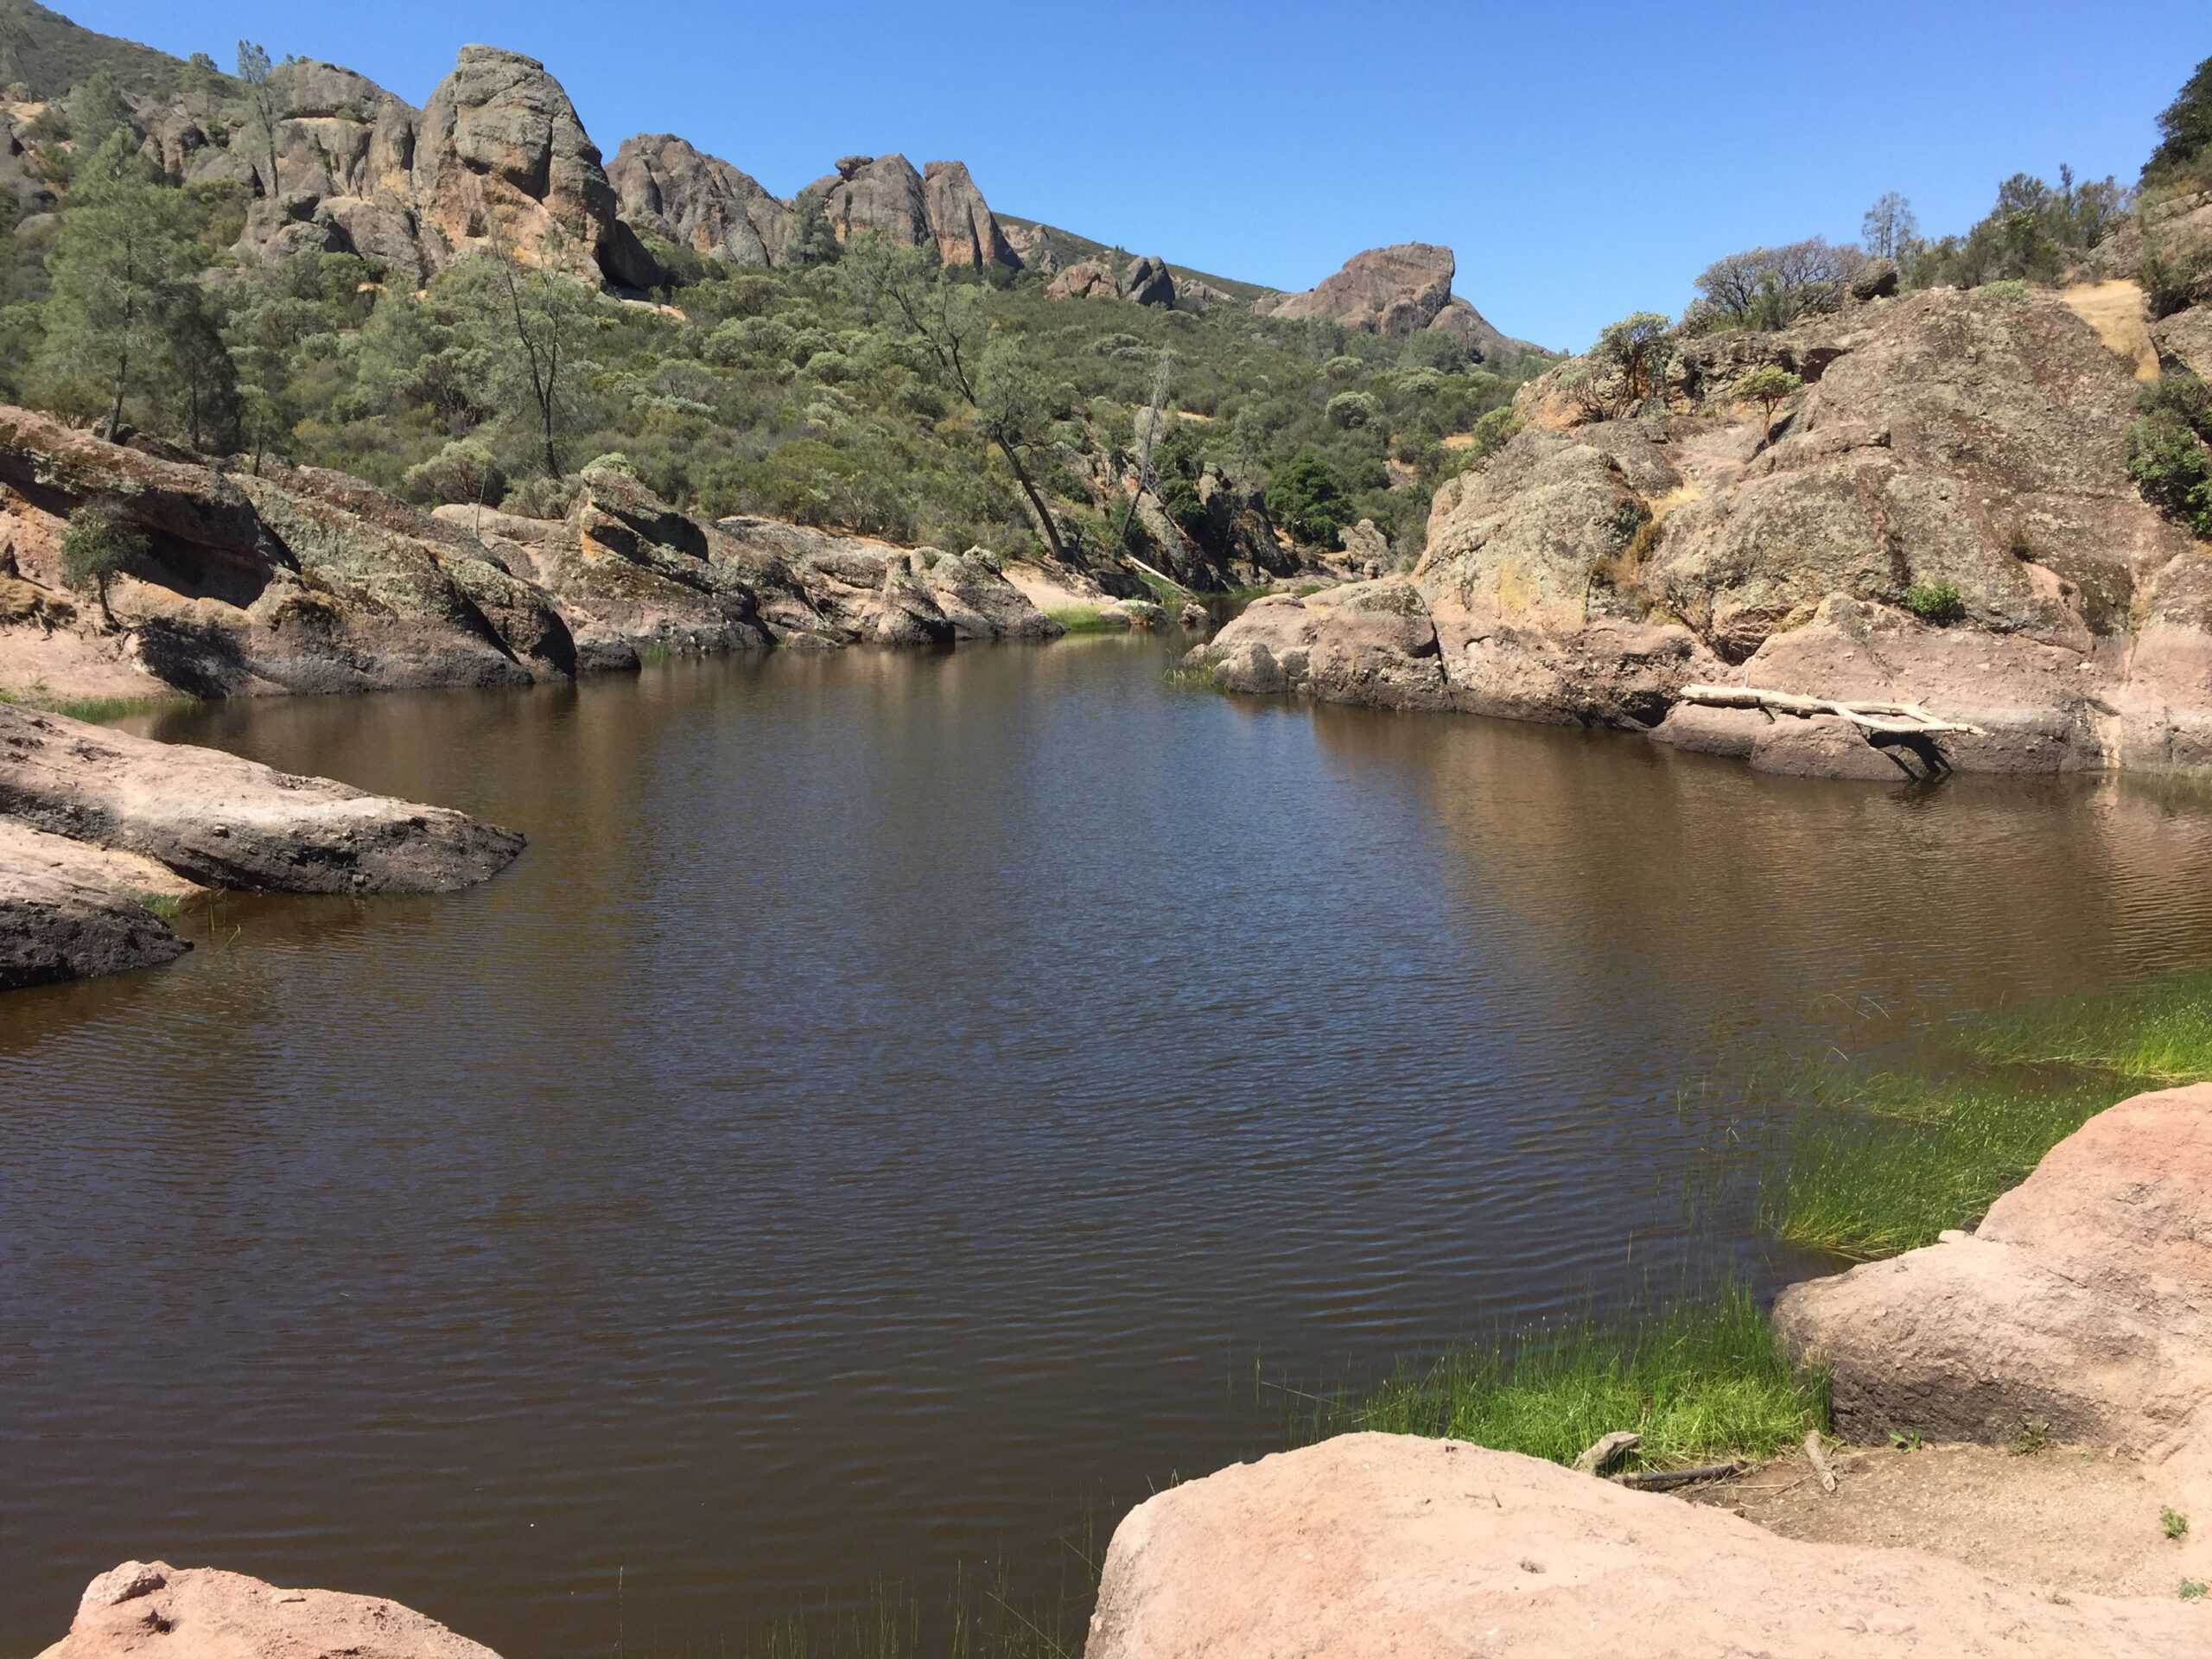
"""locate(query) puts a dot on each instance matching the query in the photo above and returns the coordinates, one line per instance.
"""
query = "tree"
(535, 321)
(122, 271)
(1308, 498)
(261, 106)
(1148, 437)
(1771, 288)
(813, 241)
(1636, 349)
(96, 111)
(904, 288)
(97, 547)
(1888, 226)
(1767, 385)
(2185, 127)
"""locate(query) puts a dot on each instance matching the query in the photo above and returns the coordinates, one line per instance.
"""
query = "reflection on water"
(899, 1098)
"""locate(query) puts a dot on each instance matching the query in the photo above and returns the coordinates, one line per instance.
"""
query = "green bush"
(1308, 498)
(97, 547)
(2171, 466)
(463, 471)
(1350, 409)
(1936, 602)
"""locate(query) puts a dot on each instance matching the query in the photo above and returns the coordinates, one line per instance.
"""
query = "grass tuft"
(1700, 1382)
(2159, 1032)
(167, 906)
(98, 710)
(1087, 618)
(1885, 1163)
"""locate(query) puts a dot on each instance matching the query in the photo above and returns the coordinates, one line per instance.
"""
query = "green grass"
(1700, 1382)
(1884, 1164)
(2156, 1033)
(1087, 618)
(98, 710)
(167, 906)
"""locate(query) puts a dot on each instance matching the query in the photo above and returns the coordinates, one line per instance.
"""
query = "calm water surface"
(897, 1102)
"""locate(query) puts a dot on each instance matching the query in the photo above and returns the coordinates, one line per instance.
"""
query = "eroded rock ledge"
(94, 823)
(198, 1612)
(1968, 445)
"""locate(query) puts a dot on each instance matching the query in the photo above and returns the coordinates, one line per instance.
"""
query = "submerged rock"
(199, 1612)
(1376, 1545)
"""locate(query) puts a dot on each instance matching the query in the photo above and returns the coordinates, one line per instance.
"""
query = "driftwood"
(1608, 1450)
(1816, 1454)
(1660, 1480)
(1890, 719)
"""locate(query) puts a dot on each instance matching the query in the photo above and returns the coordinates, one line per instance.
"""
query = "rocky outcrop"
(219, 821)
(1034, 245)
(1374, 1545)
(1395, 292)
(2082, 1302)
(699, 202)
(876, 196)
(302, 580)
(1144, 280)
(1957, 452)
(501, 155)
(961, 221)
(150, 1608)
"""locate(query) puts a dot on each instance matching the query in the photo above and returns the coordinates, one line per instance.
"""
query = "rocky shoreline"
(1944, 518)
(293, 579)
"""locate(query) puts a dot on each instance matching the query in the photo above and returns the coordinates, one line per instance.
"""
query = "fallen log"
(1891, 718)
(1660, 1480)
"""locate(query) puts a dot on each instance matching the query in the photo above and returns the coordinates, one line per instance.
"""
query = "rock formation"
(218, 821)
(1945, 442)
(1395, 292)
(700, 202)
(501, 155)
(1144, 280)
(877, 195)
(1374, 1545)
(961, 220)
(2082, 1302)
(94, 823)
(153, 1608)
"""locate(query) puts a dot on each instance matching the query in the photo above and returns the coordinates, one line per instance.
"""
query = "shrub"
(2008, 288)
(613, 462)
(98, 546)
(463, 471)
(2171, 466)
(2173, 283)
(1936, 602)
(1343, 368)
(1351, 409)
(1308, 498)
(1492, 432)
(542, 497)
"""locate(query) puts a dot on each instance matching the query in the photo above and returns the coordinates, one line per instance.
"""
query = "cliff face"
(1943, 515)
(700, 202)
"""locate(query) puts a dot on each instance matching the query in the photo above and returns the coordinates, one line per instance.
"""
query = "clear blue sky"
(1584, 161)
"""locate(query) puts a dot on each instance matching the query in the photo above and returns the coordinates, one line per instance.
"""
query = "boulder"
(1086, 279)
(2082, 1302)
(1371, 1546)
(1365, 642)
(1389, 291)
(966, 232)
(70, 910)
(500, 153)
(200, 1612)
(1877, 279)
(1147, 280)
(700, 202)
(219, 821)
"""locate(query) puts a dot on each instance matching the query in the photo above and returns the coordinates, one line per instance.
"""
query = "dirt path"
(2064, 1518)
